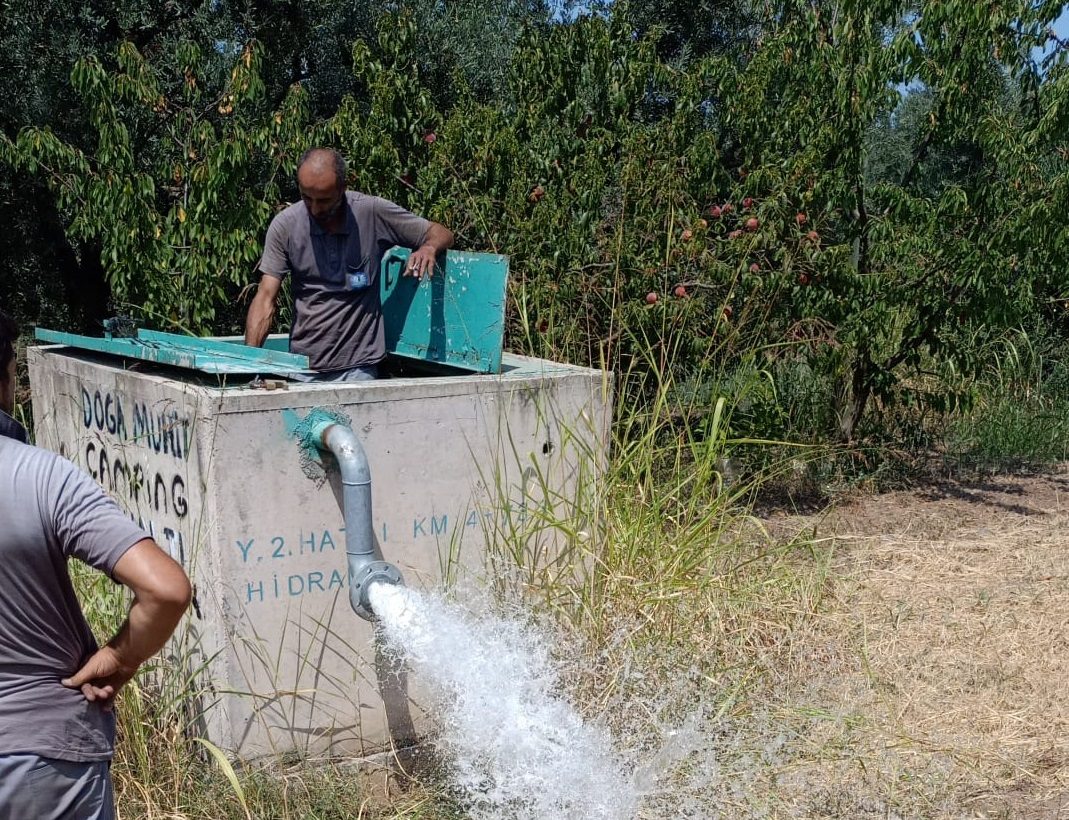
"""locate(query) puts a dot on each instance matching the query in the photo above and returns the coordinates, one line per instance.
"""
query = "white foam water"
(517, 750)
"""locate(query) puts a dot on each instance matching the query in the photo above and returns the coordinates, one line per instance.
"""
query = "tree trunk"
(91, 290)
(85, 286)
(857, 398)
(49, 279)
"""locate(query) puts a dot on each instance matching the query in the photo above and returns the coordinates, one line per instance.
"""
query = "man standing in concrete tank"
(57, 688)
(332, 243)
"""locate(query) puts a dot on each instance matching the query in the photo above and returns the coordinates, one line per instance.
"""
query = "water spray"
(366, 568)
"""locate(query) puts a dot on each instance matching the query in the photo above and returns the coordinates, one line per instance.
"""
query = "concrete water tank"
(214, 466)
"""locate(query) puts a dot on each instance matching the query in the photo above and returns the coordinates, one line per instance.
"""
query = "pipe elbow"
(343, 443)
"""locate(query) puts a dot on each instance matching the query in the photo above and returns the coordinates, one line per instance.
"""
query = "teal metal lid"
(190, 352)
(456, 317)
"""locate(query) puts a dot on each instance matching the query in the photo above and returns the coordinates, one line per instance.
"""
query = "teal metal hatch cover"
(456, 318)
(191, 352)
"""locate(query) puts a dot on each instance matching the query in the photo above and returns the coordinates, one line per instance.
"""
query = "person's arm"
(161, 595)
(262, 310)
(421, 262)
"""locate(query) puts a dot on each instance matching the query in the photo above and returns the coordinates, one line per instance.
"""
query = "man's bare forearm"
(259, 320)
(439, 238)
(161, 594)
(149, 624)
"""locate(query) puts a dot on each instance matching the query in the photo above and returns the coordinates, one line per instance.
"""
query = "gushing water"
(517, 750)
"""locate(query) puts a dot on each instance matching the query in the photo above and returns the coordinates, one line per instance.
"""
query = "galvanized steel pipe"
(365, 566)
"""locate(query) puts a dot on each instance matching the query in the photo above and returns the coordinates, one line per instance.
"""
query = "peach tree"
(179, 183)
(881, 270)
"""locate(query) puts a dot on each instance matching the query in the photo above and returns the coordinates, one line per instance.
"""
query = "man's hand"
(438, 240)
(421, 262)
(102, 676)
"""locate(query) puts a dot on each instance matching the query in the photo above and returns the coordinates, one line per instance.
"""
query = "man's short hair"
(9, 332)
(320, 154)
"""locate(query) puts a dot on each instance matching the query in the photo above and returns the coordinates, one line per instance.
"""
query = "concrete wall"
(134, 433)
(456, 462)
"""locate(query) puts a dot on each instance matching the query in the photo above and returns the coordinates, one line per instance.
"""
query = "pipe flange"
(360, 583)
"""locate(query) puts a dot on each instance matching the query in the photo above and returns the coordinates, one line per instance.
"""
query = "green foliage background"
(855, 201)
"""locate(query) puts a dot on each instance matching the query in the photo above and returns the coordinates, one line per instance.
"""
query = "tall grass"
(1021, 413)
(686, 606)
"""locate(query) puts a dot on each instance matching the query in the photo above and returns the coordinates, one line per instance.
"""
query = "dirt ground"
(935, 683)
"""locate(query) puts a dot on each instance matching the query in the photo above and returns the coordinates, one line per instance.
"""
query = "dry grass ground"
(935, 683)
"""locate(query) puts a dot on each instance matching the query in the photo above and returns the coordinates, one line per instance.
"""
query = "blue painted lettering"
(439, 525)
(279, 542)
(245, 546)
(295, 585)
(250, 590)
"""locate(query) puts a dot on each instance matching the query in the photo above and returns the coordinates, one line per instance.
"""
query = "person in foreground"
(332, 243)
(57, 688)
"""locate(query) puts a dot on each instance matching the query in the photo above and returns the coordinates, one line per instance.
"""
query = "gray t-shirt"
(338, 321)
(49, 511)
